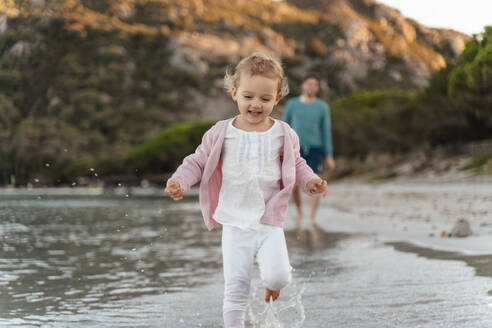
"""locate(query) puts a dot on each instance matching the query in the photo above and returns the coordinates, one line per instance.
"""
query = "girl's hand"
(174, 190)
(318, 186)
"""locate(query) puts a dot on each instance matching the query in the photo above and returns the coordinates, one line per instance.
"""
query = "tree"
(470, 84)
(9, 117)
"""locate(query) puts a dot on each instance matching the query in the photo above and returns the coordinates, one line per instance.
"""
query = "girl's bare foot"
(274, 294)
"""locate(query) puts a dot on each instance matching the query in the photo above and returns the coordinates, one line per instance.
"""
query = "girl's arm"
(191, 170)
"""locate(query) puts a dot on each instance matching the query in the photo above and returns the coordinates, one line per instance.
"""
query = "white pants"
(239, 248)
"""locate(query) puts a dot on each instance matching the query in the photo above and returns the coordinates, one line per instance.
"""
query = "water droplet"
(47, 164)
(92, 169)
(36, 180)
(74, 184)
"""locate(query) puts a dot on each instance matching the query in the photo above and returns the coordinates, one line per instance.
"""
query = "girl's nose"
(256, 104)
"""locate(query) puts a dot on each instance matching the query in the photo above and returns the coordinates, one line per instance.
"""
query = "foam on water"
(280, 314)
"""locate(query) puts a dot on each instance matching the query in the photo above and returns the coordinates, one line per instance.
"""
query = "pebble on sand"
(461, 229)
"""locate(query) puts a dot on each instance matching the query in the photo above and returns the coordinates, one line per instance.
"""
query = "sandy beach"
(412, 216)
(413, 212)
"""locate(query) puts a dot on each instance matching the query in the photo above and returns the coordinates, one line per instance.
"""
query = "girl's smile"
(256, 96)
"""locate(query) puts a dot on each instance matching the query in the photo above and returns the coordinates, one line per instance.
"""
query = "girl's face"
(256, 96)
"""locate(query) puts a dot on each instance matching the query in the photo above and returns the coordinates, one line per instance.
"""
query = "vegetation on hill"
(470, 83)
(65, 97)
(165, 151)
(456, 107)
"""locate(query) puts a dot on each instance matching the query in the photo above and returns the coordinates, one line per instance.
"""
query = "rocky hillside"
(353, 44)
(82, 80)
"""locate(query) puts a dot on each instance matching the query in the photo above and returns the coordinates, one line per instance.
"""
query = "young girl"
(248, 166)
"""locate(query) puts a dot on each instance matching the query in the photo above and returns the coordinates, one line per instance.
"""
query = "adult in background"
(309, 116)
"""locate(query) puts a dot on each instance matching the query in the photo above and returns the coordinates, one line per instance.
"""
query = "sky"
(468, 16)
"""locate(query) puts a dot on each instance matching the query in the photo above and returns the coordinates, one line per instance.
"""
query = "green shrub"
(80, 168)
(9, 80)
(383, 177)
(164, 152)
(470, 83)
(479, 162)
(380, 121)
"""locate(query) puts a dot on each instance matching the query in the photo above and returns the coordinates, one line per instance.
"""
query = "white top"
(250, 175)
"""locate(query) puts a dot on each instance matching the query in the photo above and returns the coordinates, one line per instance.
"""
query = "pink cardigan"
(205, 164)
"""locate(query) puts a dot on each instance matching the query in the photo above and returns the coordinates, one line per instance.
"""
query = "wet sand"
(481, 263)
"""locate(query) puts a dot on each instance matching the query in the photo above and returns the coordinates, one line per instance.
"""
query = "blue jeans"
(314, 157)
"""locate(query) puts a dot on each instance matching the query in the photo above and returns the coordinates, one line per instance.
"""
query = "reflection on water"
(76, 254)
(149, 262)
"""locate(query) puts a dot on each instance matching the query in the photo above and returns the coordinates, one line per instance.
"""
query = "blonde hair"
(258, 64)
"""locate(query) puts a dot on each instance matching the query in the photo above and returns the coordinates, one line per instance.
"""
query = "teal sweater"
(311, 122)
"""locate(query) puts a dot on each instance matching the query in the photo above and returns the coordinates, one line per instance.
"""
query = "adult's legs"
(297, 200)
(238, 250)
(273, 261)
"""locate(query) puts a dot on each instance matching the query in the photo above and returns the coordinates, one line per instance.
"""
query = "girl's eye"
(265, 100)
(248, 97)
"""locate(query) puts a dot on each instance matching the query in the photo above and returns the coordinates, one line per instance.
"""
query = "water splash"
(280, 314)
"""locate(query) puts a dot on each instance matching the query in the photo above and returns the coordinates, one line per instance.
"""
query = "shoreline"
(410, 217)
(481, 263)
(416, 213)
(406, 214)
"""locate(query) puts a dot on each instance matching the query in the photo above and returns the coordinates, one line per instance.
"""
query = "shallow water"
(149, 262)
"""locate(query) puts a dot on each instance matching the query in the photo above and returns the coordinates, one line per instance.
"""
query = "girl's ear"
(234, 93)
(279, 96)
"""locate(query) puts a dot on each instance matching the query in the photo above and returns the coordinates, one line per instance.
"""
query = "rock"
(395, 75)
(461, 229)
(208, 108)
(392, 18)
(187, 59)
(3, 24)
(20, 49)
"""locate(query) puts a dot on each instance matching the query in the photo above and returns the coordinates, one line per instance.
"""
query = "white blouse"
(250, 175)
